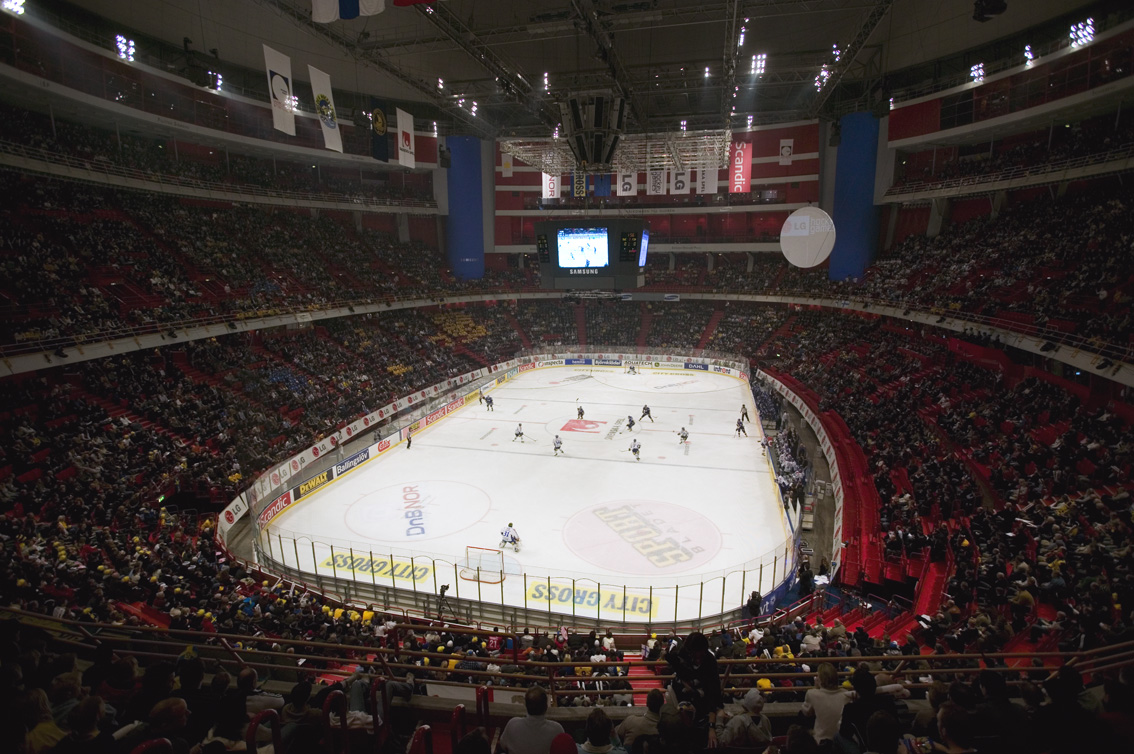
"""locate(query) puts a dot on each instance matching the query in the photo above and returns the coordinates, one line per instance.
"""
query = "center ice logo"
(582, 425)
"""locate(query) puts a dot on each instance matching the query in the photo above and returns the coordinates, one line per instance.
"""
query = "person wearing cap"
(533, 733)
(750, 729)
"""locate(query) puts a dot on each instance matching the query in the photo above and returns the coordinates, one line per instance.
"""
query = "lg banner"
(627, 184)
(739, 167)
(406, 149)
(679, 182)
(550, 186)
(280, 88)
(655, 183)
(707, 179)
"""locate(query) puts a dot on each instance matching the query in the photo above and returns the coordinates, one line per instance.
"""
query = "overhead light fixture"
(1029, 56)
(976, 73)
(706, 71)
(15, 7)
(1082, 33)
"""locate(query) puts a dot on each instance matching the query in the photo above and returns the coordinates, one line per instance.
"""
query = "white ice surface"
(594, 515)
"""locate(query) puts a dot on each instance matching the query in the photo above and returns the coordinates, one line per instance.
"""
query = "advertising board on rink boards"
(816, 425)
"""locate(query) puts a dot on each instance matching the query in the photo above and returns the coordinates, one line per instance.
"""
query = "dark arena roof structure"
(249, 249)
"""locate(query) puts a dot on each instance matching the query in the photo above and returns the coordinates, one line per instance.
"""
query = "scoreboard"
(592, 254)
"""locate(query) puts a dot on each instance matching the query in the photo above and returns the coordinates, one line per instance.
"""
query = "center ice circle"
(642, 537)
(417, 511)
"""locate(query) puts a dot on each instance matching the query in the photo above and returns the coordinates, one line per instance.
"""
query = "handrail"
(336, 701)
(457, 726)
(163, 180)
(1018, 171)
(273, 719)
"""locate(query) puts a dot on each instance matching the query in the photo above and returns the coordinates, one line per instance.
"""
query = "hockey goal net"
(483, 564)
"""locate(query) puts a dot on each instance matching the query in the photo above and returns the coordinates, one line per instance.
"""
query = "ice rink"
(602, 533)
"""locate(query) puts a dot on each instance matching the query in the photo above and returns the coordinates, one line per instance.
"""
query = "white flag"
(679, 182)
(628, 184)
(280, 88)
(326, 11)
(405, 140)
(707, 178)
(325, 109)
(506, 164)
(550, 186)
(655, 183)
(787, 147)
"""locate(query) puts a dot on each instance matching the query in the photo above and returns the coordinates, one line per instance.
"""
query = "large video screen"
(642, 253)
(583, 247)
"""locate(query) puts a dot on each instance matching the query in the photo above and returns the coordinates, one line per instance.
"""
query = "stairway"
(710, 328)
(641, 687)
(644, 330)
(519, 330)
(116, 409)
(581, 323)
(930, 590)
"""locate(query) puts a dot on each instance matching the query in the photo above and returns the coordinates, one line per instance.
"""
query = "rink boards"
(686, 531)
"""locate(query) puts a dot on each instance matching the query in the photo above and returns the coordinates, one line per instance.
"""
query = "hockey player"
(629, 423)
(636, 449)
(632, 369)
(744, 412)
(489, 404)
(682, 436)
(740, 428)
(509, 536)
(558, 444)
(519, 433)
(580, 412)
(646, 414)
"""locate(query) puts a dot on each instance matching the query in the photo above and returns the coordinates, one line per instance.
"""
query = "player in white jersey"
(558, 445)
(629, 423)
(636, 449)
(509, 536)
(646, 414)
(632, 370)
(519, 433)
(682, 436)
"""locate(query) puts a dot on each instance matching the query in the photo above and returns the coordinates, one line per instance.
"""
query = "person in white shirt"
(825, 703)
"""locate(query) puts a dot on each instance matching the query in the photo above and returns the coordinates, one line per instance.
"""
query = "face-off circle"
(417, 511)
(642, 537)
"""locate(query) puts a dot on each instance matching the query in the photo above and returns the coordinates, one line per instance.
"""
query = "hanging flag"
(279, 85)
(505, 164)
(579, 184)
(707, 178)
(602, 184)
(655, 183)
(326, 11)
(739, 167)
(379, 143)
(679, 182)
(787, 148)
(406, 154)
(627, 184)
(325, 109)
(550, 186)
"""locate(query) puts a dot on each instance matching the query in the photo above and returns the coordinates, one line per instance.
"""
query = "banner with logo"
(550, 186)
(601, 184)
(379, 144)
(325, 109)
(579, 184)
(787, 149)
(406, 151)
(707, 178)
(679, 182)
(328, 11)
(655, 183)
(627, 184)
(505, 164)
(739, 167)
(280, 88)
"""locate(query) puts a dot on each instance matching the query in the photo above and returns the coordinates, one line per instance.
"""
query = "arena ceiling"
(672, 60)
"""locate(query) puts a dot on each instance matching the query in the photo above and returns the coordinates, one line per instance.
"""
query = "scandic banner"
(739, 167)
